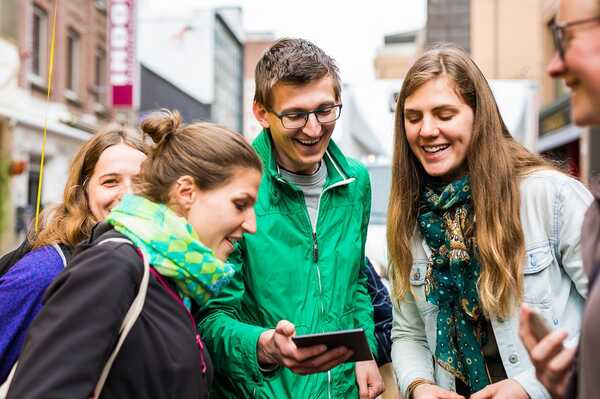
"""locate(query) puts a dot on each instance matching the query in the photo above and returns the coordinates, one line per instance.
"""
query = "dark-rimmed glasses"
(298, 119)
(559, 32)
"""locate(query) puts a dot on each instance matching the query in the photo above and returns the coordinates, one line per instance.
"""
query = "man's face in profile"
(580, 68)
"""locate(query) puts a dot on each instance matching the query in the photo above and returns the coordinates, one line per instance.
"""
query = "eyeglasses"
(559, 33)
(297, 120)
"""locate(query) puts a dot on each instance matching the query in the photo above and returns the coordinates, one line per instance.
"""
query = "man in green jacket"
(301, 272)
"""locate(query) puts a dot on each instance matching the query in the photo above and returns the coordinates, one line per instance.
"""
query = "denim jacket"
(552, 210)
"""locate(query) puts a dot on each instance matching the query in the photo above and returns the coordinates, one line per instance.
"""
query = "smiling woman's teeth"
(435, 148)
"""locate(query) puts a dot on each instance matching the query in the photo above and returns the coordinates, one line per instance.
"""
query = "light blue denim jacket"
(552, 210)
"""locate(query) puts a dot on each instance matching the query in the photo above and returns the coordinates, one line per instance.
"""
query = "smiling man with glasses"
(565, 371)
(303, 271)
(576, 33)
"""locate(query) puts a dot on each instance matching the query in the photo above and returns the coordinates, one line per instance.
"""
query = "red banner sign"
(123, 64)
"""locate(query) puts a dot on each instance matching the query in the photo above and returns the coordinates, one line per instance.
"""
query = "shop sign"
(122, 56)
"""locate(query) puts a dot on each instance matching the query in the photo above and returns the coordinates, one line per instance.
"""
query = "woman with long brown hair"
(194, 199)
(101, 171)
(477, 225)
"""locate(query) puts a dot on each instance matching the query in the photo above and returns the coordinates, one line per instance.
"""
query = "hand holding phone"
(276, 347)
(351, 339)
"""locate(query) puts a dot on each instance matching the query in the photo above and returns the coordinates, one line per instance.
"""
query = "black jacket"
(76, 331)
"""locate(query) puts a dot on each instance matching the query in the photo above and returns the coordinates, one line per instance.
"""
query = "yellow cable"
(51, 64)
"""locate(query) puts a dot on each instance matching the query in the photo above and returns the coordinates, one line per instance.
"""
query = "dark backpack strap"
(66, 252)
(8, 260)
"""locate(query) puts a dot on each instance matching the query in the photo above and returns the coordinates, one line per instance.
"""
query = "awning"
(558, 138)
(18, 105)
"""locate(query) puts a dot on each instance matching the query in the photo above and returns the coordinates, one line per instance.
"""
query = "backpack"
(130, 318)
(8, 260)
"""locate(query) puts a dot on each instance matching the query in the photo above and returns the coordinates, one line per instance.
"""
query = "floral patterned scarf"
(172, 246)
(445, 214)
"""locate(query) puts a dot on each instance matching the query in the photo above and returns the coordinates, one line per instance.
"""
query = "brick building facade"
(78, 103)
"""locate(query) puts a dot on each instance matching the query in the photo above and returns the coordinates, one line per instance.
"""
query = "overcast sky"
(349, 31)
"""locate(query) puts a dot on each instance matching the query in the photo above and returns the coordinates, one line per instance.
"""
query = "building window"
(227, 109)
(39, 46)
(33, 177)
(99, 90)
(73, 64)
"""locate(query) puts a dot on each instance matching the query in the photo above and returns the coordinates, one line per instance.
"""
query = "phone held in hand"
(355, 340)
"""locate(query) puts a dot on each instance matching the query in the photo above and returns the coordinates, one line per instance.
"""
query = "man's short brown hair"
(296, 62)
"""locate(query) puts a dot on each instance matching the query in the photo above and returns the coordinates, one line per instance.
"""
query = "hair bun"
(161, 124)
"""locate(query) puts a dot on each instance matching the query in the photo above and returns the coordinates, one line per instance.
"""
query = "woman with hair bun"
(194, 199)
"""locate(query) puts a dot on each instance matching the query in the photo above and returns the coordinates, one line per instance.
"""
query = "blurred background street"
(118, 60)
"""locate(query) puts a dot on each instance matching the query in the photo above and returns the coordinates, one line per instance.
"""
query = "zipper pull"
(315, 247)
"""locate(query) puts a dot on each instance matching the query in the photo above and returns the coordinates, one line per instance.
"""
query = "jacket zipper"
(316, 259)
(315, 247)
(344, 182)
(314, 235)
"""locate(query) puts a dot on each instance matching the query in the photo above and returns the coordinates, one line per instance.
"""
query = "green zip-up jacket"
(288, 271)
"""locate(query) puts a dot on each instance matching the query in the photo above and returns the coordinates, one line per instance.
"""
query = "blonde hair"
(71, 221)
(495, 162)
(209, 153)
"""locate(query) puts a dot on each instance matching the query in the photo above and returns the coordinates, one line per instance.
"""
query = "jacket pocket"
(417, 285)
(537, 278)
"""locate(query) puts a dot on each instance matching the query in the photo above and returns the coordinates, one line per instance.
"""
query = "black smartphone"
(355, 340)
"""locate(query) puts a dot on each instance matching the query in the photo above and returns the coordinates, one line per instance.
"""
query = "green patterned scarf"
(446, 211)
(172, 246)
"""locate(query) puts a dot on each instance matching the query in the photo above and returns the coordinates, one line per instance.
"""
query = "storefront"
(559, 138)
(22, 119)
(576, 148)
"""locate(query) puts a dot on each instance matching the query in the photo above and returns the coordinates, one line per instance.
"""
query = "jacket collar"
(337, 165)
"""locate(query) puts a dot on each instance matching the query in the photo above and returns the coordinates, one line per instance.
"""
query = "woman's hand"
(430, 391)
(505, 389)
